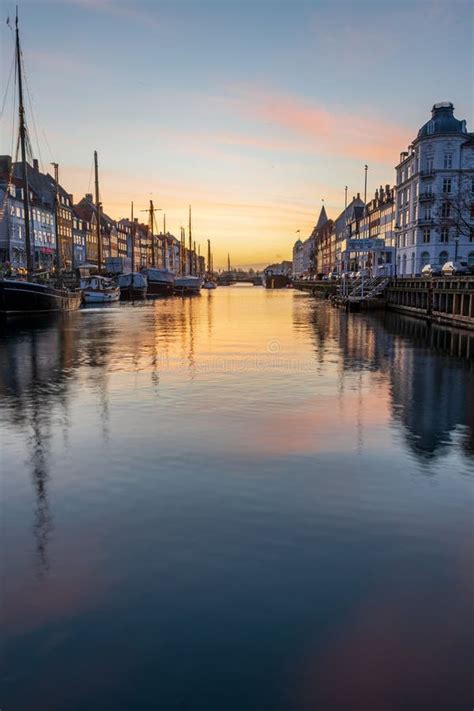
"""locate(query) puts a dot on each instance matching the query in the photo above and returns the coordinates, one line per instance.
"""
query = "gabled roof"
(322, 219)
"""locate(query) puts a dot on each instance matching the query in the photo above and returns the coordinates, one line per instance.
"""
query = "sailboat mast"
(164, 243)
(228, 262)
(26, 187)
(56, 218)
(132, 237)
(190, 245)
(97, 204)
(152, 213)
(209, 270)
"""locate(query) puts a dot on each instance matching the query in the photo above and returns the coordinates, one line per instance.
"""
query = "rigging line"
(32, 115)
(47, 145)
(90, 176)
(8, 88)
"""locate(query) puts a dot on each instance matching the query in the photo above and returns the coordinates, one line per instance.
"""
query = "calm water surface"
(240, 501)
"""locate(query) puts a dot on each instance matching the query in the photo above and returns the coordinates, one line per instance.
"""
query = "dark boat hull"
(25, 298)
(157, 288)
(133, 293)
(277, 281)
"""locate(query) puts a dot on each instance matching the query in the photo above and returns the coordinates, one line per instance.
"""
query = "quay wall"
(446, 299)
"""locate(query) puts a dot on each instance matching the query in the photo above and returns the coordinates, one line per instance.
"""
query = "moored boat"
(160, 281)
(187, 285)
(277, 276)
(209, 284)
(31, 295)
(18, 297)
(133, 286)
(99, 290)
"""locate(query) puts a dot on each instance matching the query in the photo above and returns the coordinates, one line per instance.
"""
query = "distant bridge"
(228, 280)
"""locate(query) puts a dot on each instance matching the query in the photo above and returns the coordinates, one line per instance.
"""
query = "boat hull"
(159, 288)
(189, 284)
(100, 297)
(24, 298)
(133, 293)
(276, 281)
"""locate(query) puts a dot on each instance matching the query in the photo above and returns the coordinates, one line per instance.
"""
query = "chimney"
(71, 198)
(5, 164)
(35, 165)
(88, 197)
(358, 196)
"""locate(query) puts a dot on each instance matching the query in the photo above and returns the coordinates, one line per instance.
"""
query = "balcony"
(425, 222)
(428, 173)
(425, 197)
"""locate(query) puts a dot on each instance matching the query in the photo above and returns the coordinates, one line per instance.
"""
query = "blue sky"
(251, 111)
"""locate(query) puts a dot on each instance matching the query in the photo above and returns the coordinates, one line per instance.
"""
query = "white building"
(304, 257)
(435, 195)
(298, 259)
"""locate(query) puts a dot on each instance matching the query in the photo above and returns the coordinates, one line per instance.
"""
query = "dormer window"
(430, 127)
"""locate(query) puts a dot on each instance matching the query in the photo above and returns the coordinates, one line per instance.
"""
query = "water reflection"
(234, 478)
(432, 393)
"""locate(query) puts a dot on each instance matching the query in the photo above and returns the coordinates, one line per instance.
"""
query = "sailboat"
(160, 279)
(209, 282)
(188, 283)
(19, 296)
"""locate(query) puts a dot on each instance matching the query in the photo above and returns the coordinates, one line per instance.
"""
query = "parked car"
(430, 270)
(451, 268)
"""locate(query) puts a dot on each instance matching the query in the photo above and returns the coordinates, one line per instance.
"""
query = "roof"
(322, 219)
(442, 121)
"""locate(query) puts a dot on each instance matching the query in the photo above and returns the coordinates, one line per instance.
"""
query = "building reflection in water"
(432, 387)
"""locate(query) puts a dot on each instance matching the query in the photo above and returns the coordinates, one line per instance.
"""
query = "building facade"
(435, 195)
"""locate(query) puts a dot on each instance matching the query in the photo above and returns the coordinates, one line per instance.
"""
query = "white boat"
(99, 290)
(160, 281)
(187, 284)
(133, 286)
(209, 285)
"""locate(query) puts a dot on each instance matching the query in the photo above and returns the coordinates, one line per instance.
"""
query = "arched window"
(425, 258)
(413, 262)
(443, 258)
(404, 263)
(470, 258)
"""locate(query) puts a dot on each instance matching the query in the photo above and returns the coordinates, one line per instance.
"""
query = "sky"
(253, 112)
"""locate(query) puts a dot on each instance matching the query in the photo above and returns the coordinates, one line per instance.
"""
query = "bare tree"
(454, 210)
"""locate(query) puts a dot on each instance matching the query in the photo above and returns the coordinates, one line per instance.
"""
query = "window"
(443, 258)
(426, 235)
(472, 210)
(470, 258)
(472, 186)
(425, 258)
(445, 234)
(430, 128)
(429, 165)
(427, 212)
(445, 210)
(447, 185)
(448, 160)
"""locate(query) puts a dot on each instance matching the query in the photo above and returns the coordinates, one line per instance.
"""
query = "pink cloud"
(328, 131)
(124, 10)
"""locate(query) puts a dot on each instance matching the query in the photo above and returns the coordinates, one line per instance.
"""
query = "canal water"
(241, 501)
